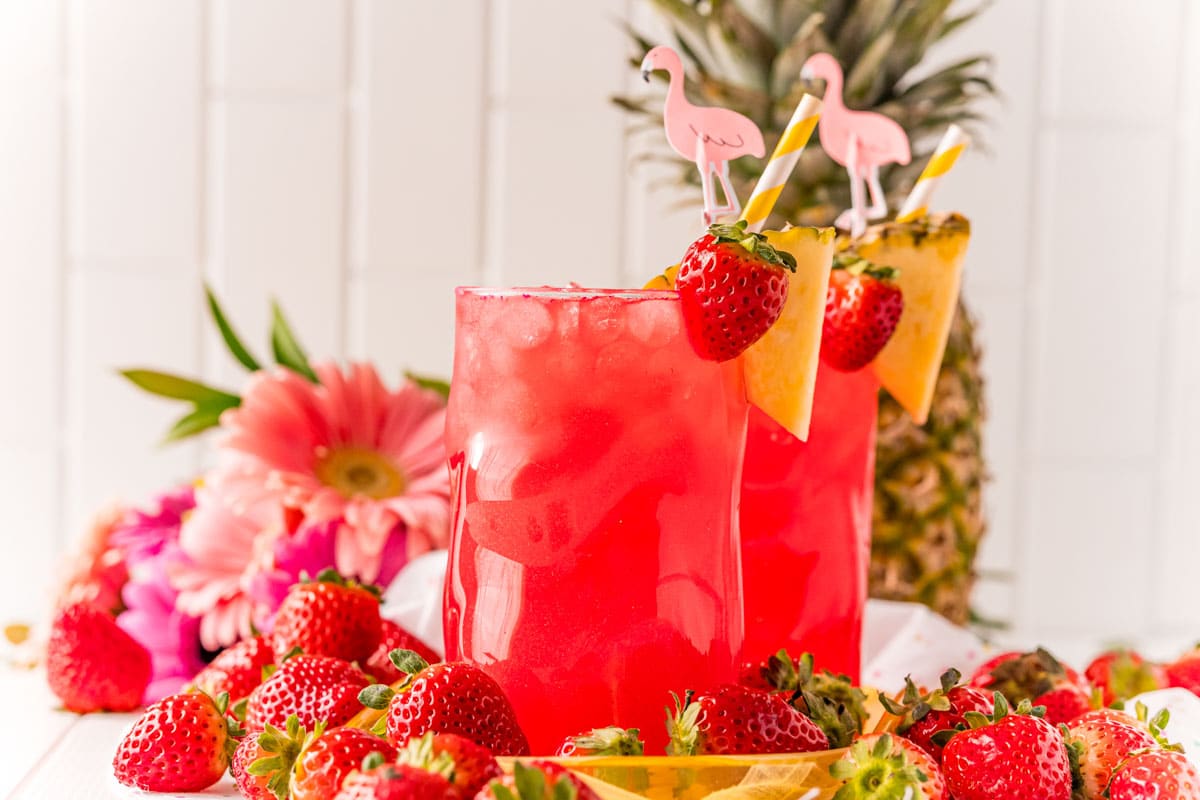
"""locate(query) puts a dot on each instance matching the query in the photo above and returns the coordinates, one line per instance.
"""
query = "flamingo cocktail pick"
(712, 137)
(861, 141)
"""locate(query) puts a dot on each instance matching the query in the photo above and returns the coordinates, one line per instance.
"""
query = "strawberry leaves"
(755, 244)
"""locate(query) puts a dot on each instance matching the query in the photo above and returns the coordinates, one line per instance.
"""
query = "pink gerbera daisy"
(348, 448)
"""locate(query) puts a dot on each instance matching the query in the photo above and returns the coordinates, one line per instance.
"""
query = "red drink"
(806, 525)
(595, 463)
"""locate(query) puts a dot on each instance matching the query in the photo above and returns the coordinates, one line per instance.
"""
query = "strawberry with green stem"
(1120, 674)
(833, 702)
(885, 767)
(376, 779)
(732, 286)
(538, 780)
(1007, 757)
(610, 741)
(467, 765)
(1097, 746)
(863, 305)
(455, 697)
(929, 719)
(738, 720)
(328, 616)
(183, 743)
(1042, 679)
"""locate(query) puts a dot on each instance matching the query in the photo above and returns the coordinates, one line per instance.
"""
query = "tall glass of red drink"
(806, 525)
(595, 463)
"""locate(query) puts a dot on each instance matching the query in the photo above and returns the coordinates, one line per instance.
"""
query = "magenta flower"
(172, 637)
(142, 534)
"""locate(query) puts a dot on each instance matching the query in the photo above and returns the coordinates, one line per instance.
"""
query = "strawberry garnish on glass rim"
(862, 309)
(732, 286)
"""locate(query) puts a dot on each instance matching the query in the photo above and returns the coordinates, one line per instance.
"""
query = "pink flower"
(95, 571)
(219, 547)
(348, 448)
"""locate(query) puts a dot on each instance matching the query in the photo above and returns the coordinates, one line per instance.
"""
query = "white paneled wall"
(358, 158)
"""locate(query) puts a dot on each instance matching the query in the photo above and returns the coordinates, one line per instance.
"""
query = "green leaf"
(376, 696)
(194, 423)
(230, 336)
(531, 782)
(175, 387)
(438, 385)
(287, 350)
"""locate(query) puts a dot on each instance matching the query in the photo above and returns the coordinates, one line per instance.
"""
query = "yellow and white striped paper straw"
(953, 142)
(791, 144)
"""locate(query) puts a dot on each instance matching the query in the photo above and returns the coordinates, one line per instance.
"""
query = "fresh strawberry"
(862, 309)
(1007, 757)
(328, 616)
(315, 688)
(928, 718)
(182, 743)
(1041, 678)
(732, 286)
(884, 766)
(377, 780)
(93, 665)
(396, 638)
(538, 780)
(1184, 672)
(736, 720)
(447, 698)
(329, 756)
(1097, 747)
(982, 676)
(237, 670)
(469, 766)
(832, 701)
(1156, 775)
(251, 786)
(609, 741)
(1121, 674)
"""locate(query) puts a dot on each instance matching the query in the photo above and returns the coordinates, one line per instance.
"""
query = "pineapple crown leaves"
(418, 752)
(683, 726)
(748, 57)
(207, 402)
(857, 265)
(753, 243)
(914, 706)
(610, 741)
(877, 770)
(283, 748)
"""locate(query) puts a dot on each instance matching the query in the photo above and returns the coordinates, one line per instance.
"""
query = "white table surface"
(55, 755)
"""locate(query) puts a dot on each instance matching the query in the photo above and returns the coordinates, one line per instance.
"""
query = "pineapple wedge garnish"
(781, 367)
(929, 254)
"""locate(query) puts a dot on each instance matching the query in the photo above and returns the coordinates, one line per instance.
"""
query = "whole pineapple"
(747, 55)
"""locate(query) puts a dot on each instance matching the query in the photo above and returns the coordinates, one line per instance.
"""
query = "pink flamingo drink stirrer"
(712, 137)
(861, 141)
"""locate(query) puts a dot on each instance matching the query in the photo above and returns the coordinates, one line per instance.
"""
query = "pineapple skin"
(747, 56)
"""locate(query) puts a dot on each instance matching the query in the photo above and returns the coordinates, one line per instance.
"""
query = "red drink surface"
(595, 461)
(806, 526)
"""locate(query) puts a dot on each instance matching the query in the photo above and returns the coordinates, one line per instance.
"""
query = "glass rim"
(566, 292)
